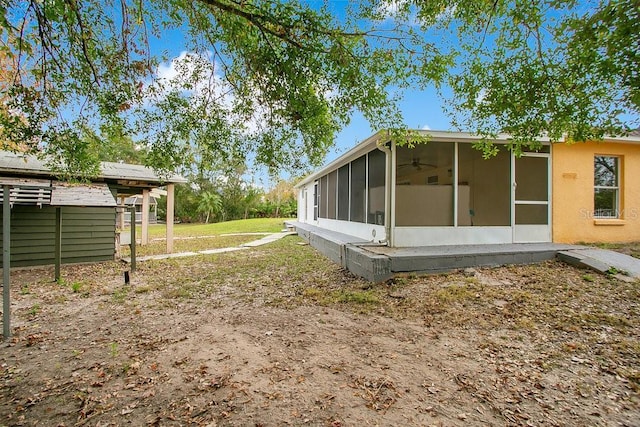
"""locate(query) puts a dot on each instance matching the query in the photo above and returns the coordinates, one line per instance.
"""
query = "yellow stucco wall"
(573, 181)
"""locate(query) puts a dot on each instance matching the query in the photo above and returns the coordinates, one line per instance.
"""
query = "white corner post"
(170, 211)
(145, 217)
(123, 211)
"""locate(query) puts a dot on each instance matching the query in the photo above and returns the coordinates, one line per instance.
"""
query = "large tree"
(278, 79)
(569, 69)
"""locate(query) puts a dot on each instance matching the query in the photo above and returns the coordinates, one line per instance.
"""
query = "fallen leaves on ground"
(279, 335)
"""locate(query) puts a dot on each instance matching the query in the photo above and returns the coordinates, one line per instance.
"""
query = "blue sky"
(421, 110)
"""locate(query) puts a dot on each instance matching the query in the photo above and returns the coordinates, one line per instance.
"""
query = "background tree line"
(219, 189)
(234, 199)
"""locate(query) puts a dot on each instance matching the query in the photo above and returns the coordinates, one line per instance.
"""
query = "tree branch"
(83, 39)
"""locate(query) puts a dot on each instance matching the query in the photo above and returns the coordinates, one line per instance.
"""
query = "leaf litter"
(281, 336)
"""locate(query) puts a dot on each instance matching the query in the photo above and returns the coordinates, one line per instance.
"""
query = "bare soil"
(278, 335)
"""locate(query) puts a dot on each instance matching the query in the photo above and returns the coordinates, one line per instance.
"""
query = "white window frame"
(608, 187)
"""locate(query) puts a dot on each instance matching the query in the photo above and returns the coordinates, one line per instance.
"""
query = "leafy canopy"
(278, 79)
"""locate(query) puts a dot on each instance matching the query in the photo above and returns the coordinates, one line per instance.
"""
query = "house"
(445, 193)
(596, 191)
(85, 214)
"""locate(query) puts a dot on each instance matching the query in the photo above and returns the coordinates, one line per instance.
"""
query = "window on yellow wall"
(606, 199)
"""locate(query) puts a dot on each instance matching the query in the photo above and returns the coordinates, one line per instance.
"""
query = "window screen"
(358, 188)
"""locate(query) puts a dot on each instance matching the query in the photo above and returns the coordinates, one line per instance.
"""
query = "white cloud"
(394, 10)
(168, 71)
(191, 73)
(482, 94)
(390, 8)
(425, 127)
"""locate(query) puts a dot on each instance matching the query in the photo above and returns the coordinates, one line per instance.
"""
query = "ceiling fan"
(417, 164)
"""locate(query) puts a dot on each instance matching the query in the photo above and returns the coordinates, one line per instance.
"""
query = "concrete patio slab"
(436, 259)
(602, 260)
(379, 262)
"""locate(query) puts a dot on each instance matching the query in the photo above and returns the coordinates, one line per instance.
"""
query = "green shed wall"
(88, 235)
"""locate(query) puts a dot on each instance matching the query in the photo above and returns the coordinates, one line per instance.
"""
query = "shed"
(88, 210)
(47, 221)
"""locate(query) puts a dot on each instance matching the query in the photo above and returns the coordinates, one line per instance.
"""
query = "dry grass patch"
(280, 335)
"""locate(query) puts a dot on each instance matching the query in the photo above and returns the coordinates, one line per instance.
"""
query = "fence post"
(6, 261)
(133, 238)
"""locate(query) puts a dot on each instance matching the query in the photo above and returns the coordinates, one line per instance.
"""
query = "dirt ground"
(278, 335)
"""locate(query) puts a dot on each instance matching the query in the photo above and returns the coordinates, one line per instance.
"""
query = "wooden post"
(145, 217)
(6, 262)
(58, 243)
(133, 238)
(170, 211)
(124, 210)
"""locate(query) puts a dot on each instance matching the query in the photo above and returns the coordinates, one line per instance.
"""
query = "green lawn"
(254, 225)
(197, 237)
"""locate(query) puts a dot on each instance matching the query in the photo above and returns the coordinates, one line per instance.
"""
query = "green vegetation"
(113, 349)
(120, 294)
(189, 244)
(34, 310)
(288, 75)
(210, 198)
(76, 286)
(255, 225)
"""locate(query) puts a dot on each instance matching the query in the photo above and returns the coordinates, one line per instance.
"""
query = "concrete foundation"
(379, 263)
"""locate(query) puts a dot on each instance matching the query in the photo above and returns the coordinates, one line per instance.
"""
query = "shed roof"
(29, 165)
(44, 192)
(65, 194)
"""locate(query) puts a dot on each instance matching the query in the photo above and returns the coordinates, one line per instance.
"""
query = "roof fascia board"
(621, 139)
(384, 137)
(363, 147)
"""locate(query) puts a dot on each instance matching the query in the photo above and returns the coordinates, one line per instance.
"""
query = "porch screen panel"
(532, 196)
(424, 185)
(322, 203)
(343, 193)
(532, 214)
(377, 172)
(358, 188)
(484, 187)
(532, 178)
(331, 195)
(316, 197)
